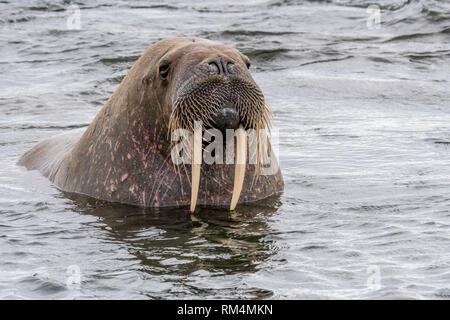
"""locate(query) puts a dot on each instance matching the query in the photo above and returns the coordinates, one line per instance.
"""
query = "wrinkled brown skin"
(124, 154)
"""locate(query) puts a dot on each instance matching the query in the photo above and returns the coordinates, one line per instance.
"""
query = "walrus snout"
(227, 118)
(220, 66)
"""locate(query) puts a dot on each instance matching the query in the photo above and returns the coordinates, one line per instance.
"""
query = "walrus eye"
(248, 64)
(163, 69)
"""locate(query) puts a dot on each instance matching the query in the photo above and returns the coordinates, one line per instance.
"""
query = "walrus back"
(50, 155)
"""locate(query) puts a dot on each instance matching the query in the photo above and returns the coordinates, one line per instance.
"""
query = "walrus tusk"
(239, 167)
(196, 164)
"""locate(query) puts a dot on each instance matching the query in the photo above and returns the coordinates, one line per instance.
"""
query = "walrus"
(126, 154)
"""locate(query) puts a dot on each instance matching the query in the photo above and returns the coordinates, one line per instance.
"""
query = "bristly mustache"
(208, 97)
(201, 104)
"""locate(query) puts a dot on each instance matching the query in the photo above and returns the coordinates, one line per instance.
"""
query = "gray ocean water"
(360, 98)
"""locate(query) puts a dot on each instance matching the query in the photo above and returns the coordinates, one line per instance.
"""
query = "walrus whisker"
(197, 105)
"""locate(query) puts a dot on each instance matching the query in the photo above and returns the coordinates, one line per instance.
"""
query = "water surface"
(364, 145)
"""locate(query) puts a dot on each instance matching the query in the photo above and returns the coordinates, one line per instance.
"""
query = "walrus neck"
(133, 123)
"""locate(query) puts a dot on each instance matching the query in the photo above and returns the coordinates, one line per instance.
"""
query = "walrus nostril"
(231, 68)
(227, 118)
(214, 68)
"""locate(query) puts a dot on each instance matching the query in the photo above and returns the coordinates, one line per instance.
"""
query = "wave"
(266, 54)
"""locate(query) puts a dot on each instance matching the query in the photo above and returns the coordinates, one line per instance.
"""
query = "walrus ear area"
(246, 60)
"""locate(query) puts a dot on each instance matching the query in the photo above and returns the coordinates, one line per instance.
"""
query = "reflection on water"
(175, 243)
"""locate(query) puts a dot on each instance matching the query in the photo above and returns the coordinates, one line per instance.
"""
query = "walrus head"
(198, 80)
(214, 86)
(126, 153)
